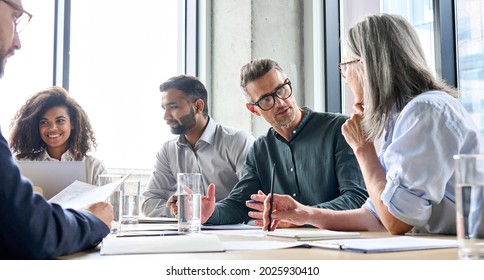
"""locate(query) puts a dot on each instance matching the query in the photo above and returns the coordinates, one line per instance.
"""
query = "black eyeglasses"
(22, 20)
(343, 67)
(267, 101)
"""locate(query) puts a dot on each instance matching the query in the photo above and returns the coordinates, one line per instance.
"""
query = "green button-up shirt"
(317, 168)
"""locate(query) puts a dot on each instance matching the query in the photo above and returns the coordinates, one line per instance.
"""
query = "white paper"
(146, 227)
(260, 245)
(80, 194)
(230, 227)
(390, 244)
(249, 232)
(157, 220)
(312, 234)
(189, 243)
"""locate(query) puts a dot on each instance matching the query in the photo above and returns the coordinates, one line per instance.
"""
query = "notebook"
(113, 245)
(304, 235)
(53, 176)
(389, 244)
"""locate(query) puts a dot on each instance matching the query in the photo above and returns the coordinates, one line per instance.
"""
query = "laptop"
(53, 176)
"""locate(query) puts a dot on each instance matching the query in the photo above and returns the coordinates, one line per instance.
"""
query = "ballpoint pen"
(271, 201)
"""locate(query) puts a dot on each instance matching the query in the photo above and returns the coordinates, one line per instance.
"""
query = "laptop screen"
(53, 176)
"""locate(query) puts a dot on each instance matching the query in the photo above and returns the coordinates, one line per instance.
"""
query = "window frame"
(445, 48)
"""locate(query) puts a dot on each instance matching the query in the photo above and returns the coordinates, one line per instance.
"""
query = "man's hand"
(208, 204)
(172, 204)
(102, 210)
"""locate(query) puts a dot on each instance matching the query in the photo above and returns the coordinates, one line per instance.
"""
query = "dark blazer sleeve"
(31, 227)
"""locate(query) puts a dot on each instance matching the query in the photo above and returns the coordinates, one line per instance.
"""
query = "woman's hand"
(352, 129)
(285, 210)
(257, 203)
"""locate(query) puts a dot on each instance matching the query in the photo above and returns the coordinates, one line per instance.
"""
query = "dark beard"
(187, 122)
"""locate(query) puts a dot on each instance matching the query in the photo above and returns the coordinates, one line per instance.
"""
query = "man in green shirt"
(313, 162)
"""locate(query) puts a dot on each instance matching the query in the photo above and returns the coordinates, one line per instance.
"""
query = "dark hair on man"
(25, 140)
(256, 69)
(191, 86)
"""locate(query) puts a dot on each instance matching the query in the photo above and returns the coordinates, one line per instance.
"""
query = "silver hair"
(254, 70)
(393, 69)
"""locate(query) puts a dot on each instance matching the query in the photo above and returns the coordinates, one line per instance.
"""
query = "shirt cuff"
(405, 205)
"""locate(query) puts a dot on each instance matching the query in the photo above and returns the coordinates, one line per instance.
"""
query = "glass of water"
(189, 191)
(130, 204)
(114, 199)
(469, 205)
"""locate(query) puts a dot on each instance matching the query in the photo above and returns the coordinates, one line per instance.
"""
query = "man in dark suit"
(32, 228)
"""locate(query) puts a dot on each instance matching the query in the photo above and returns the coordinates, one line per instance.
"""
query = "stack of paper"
(390, 244)
(304, 235)
(113, 245)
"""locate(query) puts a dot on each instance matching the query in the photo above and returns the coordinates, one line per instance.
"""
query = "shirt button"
(292, 169)
(294, 195)
(293, 132)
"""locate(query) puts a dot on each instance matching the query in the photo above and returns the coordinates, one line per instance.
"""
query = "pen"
(271, 201)
(332, 245)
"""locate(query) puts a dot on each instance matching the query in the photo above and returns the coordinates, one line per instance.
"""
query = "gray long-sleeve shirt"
(218, 155)
(317, 168)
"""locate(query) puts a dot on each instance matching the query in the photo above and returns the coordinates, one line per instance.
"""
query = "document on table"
(230, 227)
(312, 234)
(358, 245)
(80, 194)
(189, 243)
(157, 220)
(148, 227)
(389, 244)
(261, 245)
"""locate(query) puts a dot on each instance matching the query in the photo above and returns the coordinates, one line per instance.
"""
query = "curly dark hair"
(25, 140)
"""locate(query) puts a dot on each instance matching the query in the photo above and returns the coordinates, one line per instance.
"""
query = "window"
(120, 52)
(470, 44)
(418, 12)
(30, 69)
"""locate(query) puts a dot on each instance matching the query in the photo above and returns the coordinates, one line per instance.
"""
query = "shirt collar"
(208, 135)
(299, 127)
(67, 156)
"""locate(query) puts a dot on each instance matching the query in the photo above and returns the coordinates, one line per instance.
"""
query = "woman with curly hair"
(52, 126)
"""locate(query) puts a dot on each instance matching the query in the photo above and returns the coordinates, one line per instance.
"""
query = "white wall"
(241, 31)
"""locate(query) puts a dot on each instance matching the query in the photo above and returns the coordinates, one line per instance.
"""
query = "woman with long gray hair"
(397, 96)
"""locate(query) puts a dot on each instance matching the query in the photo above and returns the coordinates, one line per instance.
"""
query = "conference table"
(293, 253)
